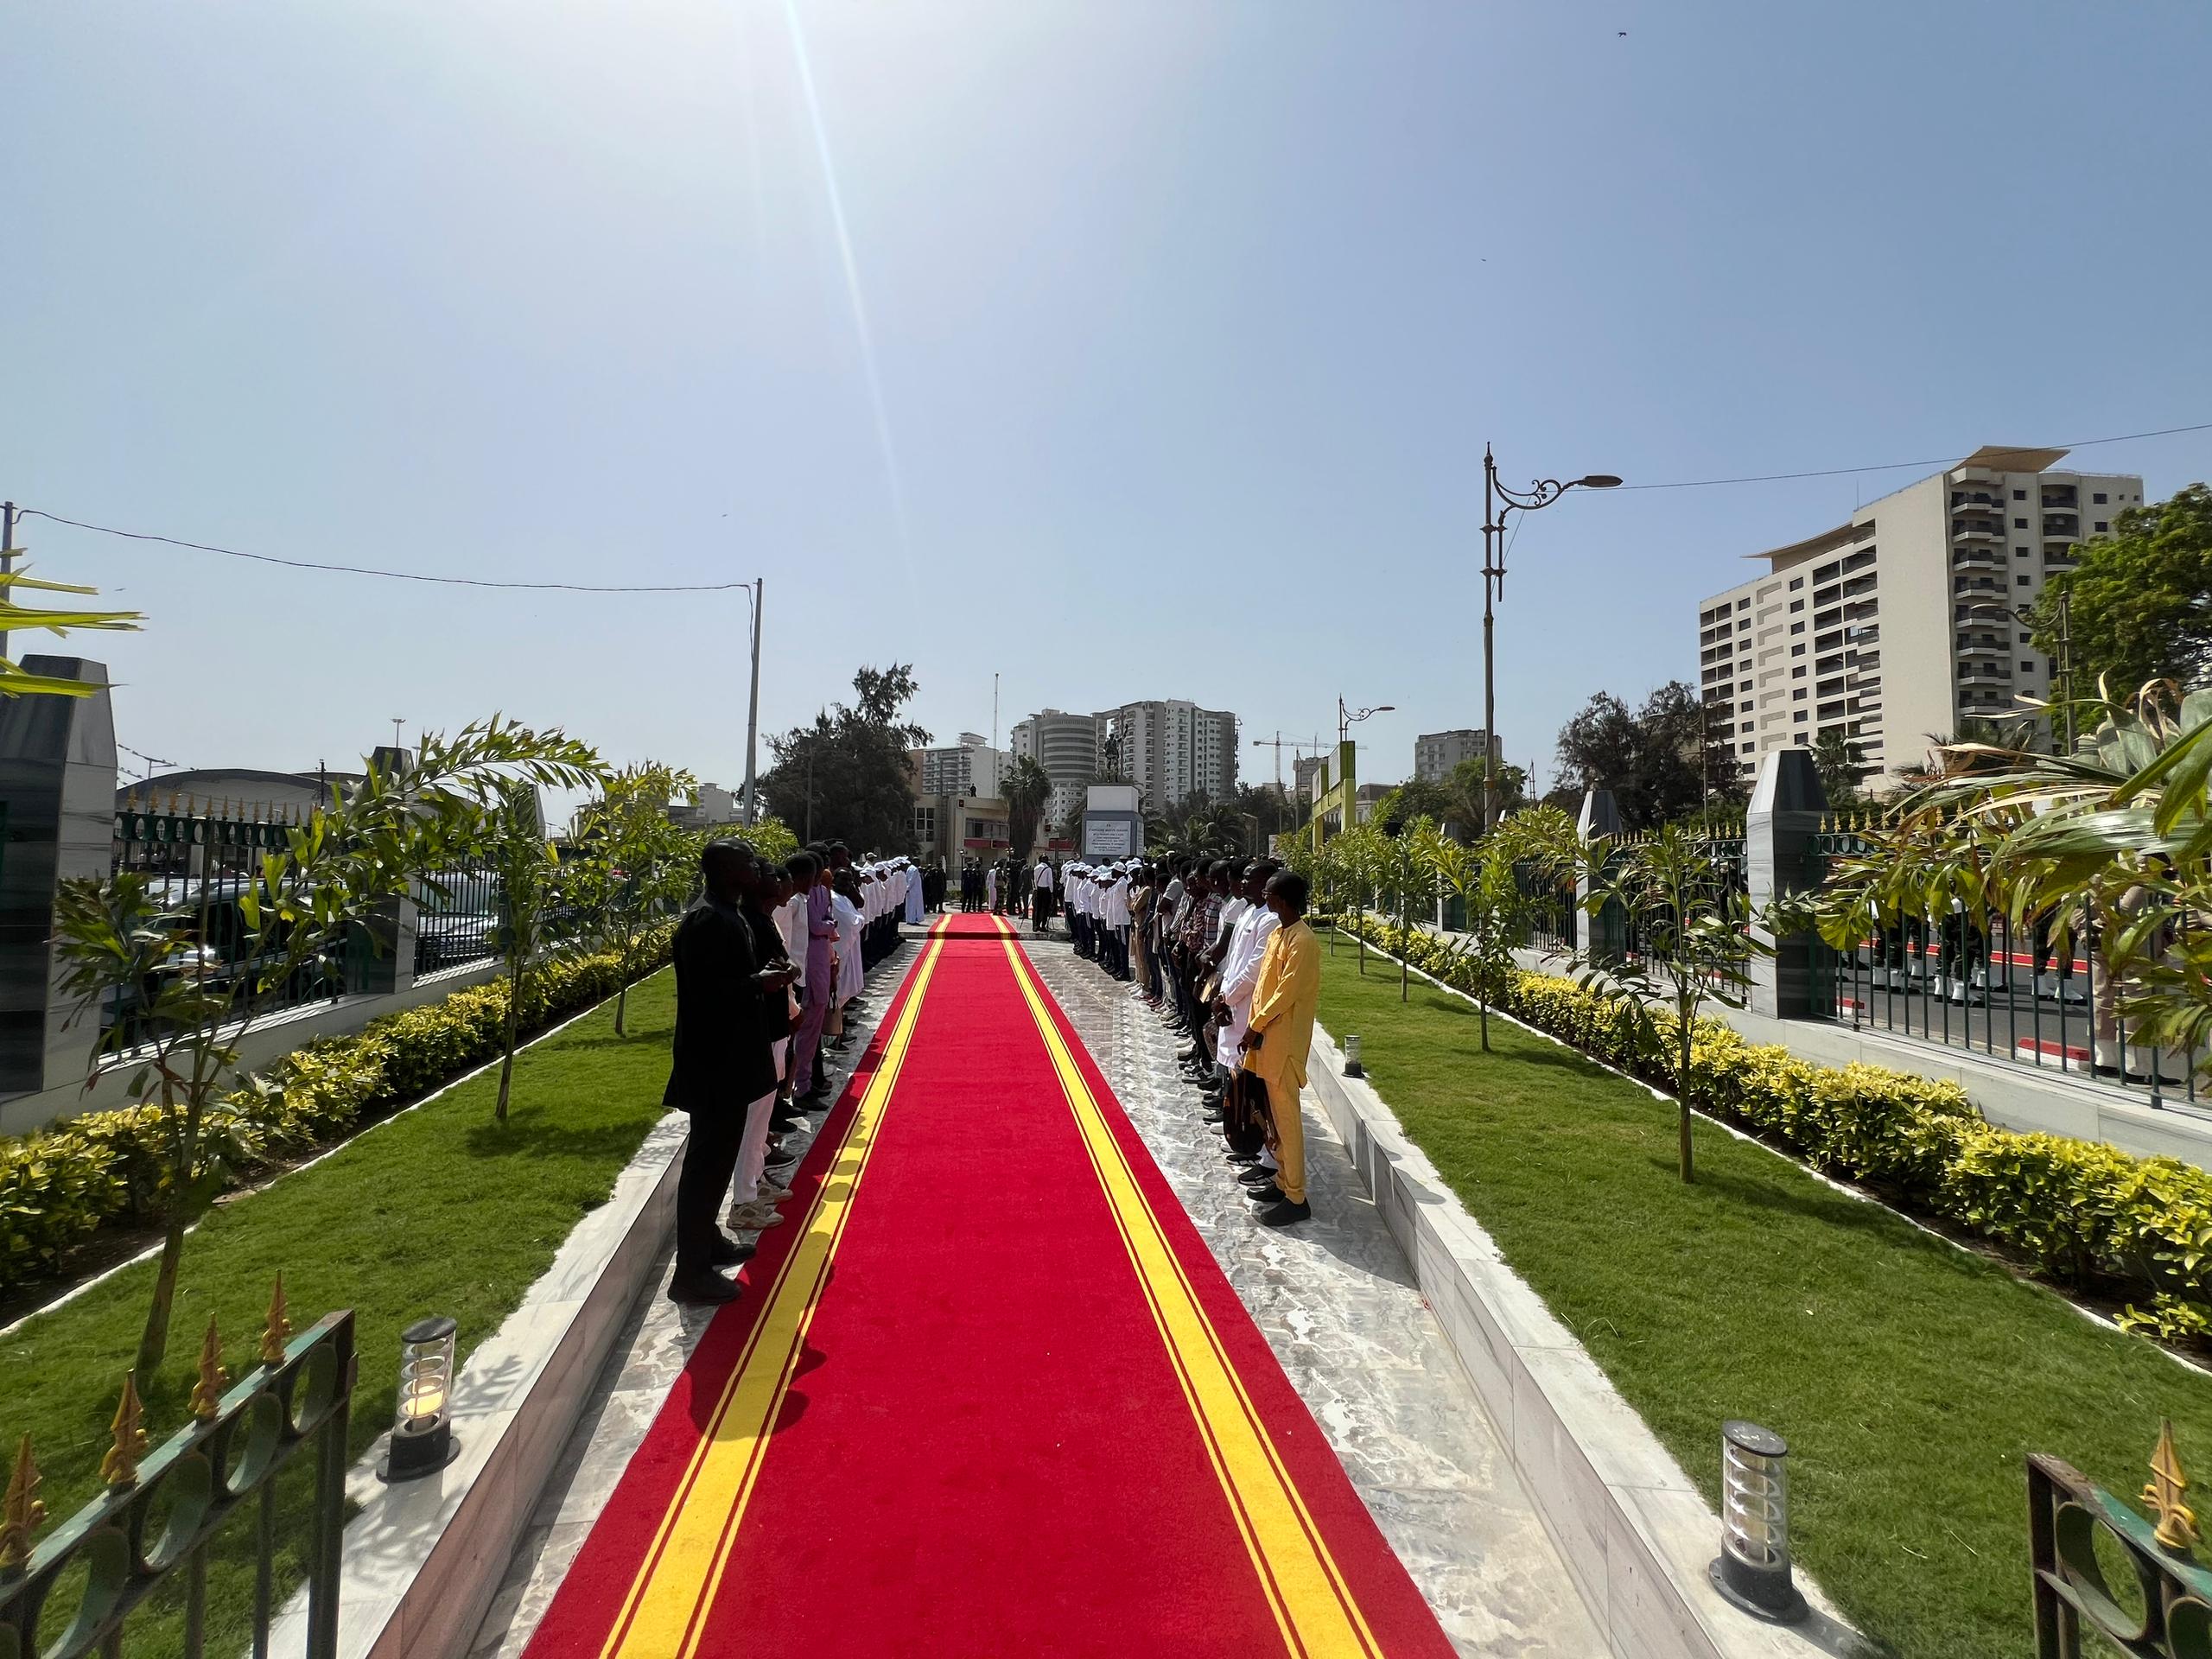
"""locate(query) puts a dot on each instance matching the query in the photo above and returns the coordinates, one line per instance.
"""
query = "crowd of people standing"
(770, 964)
(1220, 948)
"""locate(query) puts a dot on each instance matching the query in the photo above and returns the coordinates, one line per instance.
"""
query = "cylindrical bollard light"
(422, 1428)
(1352, 1067)
(1752, 1570)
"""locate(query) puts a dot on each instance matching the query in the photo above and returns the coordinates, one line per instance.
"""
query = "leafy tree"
(1840, 763)
(2140, 604)
(1463, 795)
(636, 868)
(845, 777)
(1695, 929)
(123, 942)
(1417, 797)
(1652, 759)
(1028, 787)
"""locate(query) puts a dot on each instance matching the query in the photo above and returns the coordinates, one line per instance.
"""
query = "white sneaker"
(771, 1191)
(754, 1218)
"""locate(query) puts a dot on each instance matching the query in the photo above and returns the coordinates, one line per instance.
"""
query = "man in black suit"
(723, 1061)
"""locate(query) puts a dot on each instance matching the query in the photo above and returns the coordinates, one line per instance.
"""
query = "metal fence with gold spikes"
(162, 1510)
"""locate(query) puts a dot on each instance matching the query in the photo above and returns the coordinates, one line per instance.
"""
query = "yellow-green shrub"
(2076, 1210)
(59, 1187)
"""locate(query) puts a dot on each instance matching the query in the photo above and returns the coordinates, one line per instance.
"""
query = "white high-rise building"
(1435, 754)
(971, 767)
(1903, 621)
(1169, 749)
(1066, 745)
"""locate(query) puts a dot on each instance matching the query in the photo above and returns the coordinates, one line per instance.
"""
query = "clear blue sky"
(1185, 324)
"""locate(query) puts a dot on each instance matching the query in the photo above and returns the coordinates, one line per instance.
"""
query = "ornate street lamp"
(1497, 501)
(1347, 718)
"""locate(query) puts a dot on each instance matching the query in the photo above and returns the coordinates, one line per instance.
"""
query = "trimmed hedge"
(59, 1187)
(2079, 1212)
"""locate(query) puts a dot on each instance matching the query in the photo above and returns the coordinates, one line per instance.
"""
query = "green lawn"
(439, 1210)
(1910, 1378)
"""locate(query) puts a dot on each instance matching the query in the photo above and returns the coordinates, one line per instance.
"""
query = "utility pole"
(753, 707)
(995, 710)
(7, 555)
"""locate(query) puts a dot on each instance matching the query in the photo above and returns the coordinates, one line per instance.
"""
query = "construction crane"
(1277, 743)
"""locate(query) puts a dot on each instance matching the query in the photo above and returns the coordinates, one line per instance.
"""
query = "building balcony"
(1978, 558)
(2062, 523)
(2060, 554)
(1869, 635)
(2062, 495)
(1963, 498)
(1966, 529)
(1863, 608)
(1984, 679)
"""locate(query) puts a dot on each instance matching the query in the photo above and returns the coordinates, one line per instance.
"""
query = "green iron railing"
(200, 860)
(2036, 995)
(162, 1511)
(2166, 1613)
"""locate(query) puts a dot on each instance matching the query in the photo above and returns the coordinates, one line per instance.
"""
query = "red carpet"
(986, 1393)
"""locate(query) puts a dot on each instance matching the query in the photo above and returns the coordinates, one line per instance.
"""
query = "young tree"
(1487, 879)
(1695, 927)
(528, 870)
(637, 868)
(123, 942)
(1403, 872)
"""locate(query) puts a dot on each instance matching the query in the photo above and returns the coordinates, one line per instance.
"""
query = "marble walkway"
(1334, 1298)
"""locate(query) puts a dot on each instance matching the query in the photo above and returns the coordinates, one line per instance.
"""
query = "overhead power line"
(393, 576)
(1898, 465)
(730, 587)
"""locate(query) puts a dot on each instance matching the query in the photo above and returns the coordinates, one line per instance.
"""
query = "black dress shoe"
(702, 1289)
(1266, 1192)
(1285, 1214)
(729, 1252)
(1257, 1176)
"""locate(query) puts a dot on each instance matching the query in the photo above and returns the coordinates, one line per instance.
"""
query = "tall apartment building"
(970, 767)
(1435, 754)
(1904, 621)
(1066, 747)
(1169, 749)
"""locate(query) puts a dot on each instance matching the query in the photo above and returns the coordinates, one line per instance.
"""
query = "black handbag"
(1247, 1122)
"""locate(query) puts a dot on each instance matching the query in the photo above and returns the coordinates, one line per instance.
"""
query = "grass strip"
(441, 1210)
(1912, 1378)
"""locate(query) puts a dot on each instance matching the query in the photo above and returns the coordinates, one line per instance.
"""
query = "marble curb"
(423, 1560)
(1635, 1533)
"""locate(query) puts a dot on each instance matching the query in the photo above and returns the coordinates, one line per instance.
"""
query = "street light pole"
(753, 708)
(1497, 501)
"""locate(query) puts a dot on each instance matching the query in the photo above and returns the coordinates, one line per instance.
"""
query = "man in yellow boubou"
(1276, 1047)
